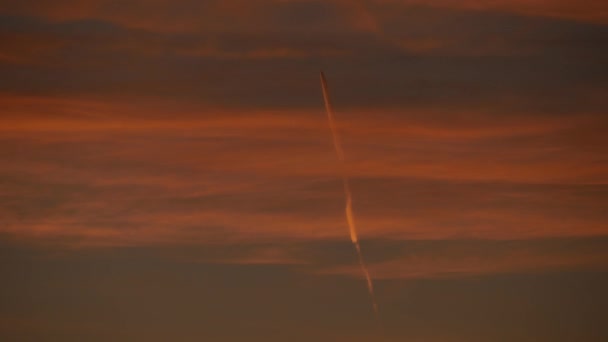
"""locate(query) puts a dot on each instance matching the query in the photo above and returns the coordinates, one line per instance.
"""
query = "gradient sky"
(167, 172)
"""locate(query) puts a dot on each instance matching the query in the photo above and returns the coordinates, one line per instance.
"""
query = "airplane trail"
(350, 219)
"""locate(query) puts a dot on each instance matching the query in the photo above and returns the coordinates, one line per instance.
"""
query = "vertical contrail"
(347, 194)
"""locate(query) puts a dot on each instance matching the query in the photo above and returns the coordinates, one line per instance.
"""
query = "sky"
(168, 173)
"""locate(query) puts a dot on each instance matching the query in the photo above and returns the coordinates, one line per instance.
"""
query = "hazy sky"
(167, 172)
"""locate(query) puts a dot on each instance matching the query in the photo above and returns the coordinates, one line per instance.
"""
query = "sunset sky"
(167, 170)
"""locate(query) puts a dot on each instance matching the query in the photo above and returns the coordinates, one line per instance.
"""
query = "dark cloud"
(544, 64)
(98, 290)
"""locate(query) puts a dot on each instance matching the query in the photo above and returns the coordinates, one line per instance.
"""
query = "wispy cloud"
(100, 173)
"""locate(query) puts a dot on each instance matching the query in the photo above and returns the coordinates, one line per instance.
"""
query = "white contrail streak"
(347, 194)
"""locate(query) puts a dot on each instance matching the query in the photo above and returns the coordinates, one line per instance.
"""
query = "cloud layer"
(102, 174)
(200, 123)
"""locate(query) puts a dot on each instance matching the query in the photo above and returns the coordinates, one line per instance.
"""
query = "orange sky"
(174, 156)
(269, 175)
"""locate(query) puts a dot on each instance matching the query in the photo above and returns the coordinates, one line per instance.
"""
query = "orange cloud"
(589, 10)
(111, 173)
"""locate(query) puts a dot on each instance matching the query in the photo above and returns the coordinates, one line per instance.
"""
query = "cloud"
(423, 56)
(187, 14)
(89, 172)
(462, 258)
(591, 10)
(201, 124)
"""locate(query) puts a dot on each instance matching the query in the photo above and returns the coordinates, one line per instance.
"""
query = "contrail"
(347, 194)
